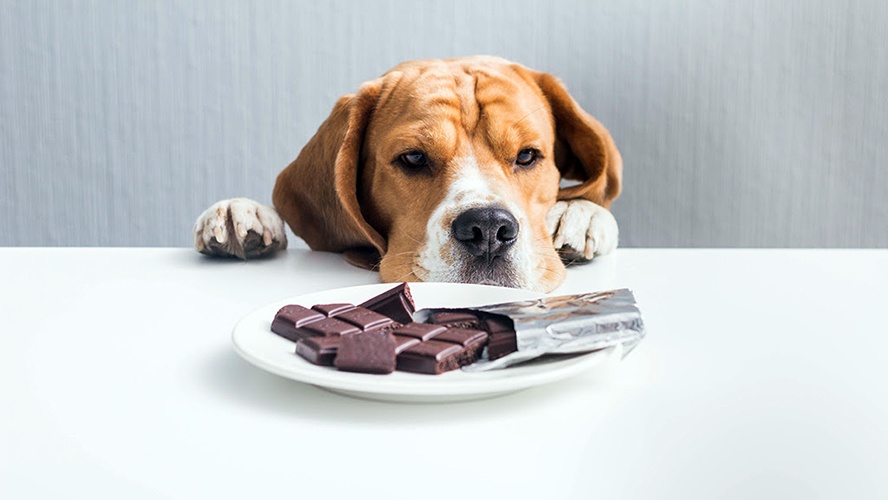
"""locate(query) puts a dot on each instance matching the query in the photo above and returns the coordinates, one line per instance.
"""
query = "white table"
(762, 376)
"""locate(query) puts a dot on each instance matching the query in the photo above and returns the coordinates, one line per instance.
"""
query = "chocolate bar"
(561, 325)
(474, 338)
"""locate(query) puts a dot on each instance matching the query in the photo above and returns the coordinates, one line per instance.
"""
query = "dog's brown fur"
(345, 193)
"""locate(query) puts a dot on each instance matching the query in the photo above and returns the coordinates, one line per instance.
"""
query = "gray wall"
(756, 123)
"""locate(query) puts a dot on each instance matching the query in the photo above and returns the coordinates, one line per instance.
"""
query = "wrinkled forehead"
(446, 104)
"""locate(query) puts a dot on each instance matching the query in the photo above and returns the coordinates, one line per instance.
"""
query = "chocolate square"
(403, 342)
(462, 336)
(318, 350)
(332, 309)
(396, 303)
(290, 318)
(422, 331)
(503, 339)
(364, 319)
(367, 352)
(328, 327)
(431, 357)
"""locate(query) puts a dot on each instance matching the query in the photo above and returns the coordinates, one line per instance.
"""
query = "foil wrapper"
(567, 324)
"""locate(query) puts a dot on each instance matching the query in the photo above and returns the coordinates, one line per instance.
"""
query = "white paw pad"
(240, 228)
(581, 229)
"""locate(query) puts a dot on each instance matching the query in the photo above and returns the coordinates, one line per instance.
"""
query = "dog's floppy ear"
(584, 149)
(317, 194)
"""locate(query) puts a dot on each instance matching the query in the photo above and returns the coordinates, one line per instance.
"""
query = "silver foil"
(567, 324)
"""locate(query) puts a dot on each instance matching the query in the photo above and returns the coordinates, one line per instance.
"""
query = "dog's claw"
(219, 233)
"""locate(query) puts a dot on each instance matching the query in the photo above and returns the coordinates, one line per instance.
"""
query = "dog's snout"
(486, 231)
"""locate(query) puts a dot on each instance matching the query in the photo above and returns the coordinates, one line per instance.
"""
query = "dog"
(472, 170)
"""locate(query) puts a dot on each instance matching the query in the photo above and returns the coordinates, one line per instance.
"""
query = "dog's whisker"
(541, 107)
(414, 239)
(405, 275)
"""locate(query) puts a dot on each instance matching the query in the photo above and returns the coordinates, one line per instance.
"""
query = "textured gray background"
(756, 123)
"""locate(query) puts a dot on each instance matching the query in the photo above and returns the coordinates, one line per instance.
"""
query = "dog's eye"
(414, 159)
(526, 157)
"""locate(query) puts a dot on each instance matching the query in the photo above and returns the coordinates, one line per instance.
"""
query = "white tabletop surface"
(762, 376)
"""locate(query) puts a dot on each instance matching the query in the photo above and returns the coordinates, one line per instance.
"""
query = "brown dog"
(442, 170)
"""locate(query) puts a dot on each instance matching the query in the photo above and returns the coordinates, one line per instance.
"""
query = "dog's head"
(445, 170)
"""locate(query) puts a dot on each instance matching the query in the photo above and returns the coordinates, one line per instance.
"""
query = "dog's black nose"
(486, 231)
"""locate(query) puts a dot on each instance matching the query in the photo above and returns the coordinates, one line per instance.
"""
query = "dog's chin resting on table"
(470, 170)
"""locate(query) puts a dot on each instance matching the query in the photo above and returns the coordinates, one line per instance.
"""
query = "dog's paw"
(581, 229)
(240, 228)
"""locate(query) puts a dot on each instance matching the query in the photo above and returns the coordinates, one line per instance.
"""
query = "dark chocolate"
(332, 309)
(503, 339)
(367, 352)
(328, 327)
(383, 328)
(365, 319)
(461, 336)
(421, 331)
(448, 349)
(457, 318)
(472, 342)
(403, 342)
(563, 324)
(396, 303)
(290, 318)
(318, 350)
(431, 357)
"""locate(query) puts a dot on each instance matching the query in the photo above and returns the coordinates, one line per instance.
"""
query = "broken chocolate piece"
(503, 339)
(318, 350)
(431, 357)
(367, 352)
(453, 317)
(290, 318)
(457, 318)
(472, 341)
(396, 303)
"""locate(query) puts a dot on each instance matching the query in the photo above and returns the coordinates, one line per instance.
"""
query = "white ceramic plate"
(255, 342)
